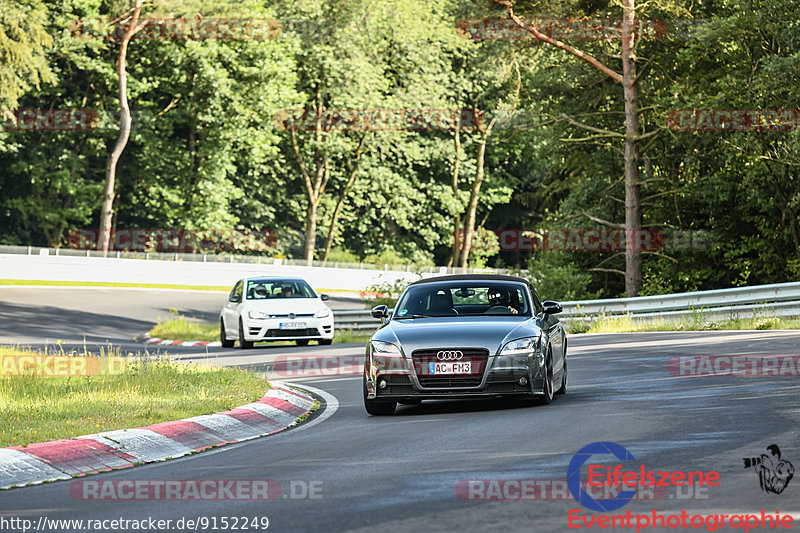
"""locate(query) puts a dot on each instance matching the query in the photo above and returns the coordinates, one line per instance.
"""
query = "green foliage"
(555, 277)
(385, 293)
(24, 42)
(206, 152)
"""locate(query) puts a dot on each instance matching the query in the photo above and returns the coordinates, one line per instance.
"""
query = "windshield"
(263, 289)
(463, 299)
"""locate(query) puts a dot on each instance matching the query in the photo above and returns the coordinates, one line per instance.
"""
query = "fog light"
(523, 381)
(382, 384)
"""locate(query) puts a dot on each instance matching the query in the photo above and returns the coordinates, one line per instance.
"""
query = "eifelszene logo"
(619, 476)
(774, 473)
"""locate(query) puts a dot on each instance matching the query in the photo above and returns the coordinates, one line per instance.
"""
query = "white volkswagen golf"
(274, 309)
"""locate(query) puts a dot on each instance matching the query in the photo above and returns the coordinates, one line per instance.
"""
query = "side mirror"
(381, 312)
(235, 298)
(551, 308)
(324, 297)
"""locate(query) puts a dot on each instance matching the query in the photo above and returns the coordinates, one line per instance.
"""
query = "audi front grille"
(478, 358)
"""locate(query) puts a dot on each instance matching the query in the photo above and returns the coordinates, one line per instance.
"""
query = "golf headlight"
(385, 348)
(257, 314)
(322, 314)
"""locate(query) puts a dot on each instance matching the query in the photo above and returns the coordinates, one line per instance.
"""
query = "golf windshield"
(263, 289)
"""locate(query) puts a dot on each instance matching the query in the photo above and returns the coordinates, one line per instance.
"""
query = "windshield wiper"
(411, 316)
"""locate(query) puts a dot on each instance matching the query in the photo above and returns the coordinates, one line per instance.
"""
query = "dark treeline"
(236, 131)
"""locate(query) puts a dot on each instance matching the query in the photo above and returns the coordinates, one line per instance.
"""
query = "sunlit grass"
(694, 322)
(178, 328)
(145, 390)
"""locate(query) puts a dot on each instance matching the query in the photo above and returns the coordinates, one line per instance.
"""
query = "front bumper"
(400, 381)
(273, 329)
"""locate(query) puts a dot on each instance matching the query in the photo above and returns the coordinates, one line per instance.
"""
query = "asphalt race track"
(346, 471)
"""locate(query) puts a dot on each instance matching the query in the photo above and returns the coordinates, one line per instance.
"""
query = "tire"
(243, 344)
(302, 342)
(223, 340)
(547, 397)
(325, 342)
(378, 408)
(563, 389)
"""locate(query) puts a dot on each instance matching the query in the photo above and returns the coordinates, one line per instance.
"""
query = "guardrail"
(780, 299)
(256, 259)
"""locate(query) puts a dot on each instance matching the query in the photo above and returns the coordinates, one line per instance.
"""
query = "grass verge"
(694, 322)
(177, 328)
(141, 391)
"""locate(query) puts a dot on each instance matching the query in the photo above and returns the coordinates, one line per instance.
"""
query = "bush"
(385, 293)
(342, 255)
(557, 278)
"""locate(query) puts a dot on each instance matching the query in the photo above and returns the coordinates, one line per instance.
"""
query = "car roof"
(472, 277)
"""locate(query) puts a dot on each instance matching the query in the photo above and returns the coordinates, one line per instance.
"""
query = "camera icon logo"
(774, 473)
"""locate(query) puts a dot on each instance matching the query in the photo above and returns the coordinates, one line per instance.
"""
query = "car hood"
(284, 306)
(490, 332)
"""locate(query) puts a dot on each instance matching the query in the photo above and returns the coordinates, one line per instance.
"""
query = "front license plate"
(292, 325)
(450, 368)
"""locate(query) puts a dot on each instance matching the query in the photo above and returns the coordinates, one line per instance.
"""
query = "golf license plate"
(292, 325)
(450, 368)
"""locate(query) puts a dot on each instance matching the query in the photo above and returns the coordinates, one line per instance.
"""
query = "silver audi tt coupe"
(466, 336)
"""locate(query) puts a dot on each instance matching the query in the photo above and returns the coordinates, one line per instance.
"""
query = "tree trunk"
(457, 243)
(311, 231)
(106, 212)
(633, 209)
(469, 222)
(316, 187)
(342, 198)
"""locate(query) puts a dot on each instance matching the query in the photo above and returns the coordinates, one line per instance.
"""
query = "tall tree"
(629, 81)
(106, 212)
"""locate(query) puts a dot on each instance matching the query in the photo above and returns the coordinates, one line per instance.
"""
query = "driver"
(287, 291)
(500, 301)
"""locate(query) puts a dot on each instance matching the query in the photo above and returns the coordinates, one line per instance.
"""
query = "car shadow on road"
(45, 322)
(438, 407)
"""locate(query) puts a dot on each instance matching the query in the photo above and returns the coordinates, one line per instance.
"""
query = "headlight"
(322, 314)
(257, 314)
(384, 348)
(521, 346)
(517, 352)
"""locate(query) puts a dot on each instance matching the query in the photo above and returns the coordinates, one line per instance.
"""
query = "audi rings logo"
(449, 355)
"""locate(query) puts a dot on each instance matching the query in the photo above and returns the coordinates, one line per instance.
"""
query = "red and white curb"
(279, 409)
(166, 342)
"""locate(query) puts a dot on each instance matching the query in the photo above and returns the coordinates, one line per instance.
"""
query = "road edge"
(282, 407)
